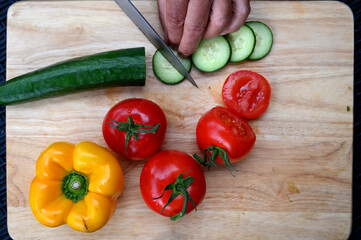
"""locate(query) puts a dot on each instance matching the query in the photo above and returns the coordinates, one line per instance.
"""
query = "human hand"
(186, 22)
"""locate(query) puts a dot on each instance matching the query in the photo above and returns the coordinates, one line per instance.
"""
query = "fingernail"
(224, 32)
(174, 46)
(183, 55)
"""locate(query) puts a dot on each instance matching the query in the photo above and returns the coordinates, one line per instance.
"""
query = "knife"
(153, 37)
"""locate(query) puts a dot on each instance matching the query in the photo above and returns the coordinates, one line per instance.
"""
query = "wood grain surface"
(295, 183)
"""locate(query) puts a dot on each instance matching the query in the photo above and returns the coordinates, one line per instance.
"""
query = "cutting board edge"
(11, 229)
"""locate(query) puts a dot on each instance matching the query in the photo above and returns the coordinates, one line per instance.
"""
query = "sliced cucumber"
(165, 71)
(264, 39)
(212, 54)
(242, 43)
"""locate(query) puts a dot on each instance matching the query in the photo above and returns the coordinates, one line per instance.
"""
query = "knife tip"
(190, 79)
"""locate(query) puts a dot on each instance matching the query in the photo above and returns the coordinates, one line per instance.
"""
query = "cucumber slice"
(242, 43)
(165, 71)
(212, 54)
(264, 39)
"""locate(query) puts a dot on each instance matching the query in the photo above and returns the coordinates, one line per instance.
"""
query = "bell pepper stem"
(75, 186)
(132, 129)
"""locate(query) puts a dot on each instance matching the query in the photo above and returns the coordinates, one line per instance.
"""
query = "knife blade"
(138, 19)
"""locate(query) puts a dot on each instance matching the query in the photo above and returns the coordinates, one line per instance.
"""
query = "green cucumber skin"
(242, 59)
(124, 67)
(271, 43)
(156, 69)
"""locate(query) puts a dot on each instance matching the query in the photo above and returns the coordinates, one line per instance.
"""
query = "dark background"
(356, 208)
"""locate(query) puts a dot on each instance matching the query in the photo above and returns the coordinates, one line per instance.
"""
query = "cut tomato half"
(246, 94)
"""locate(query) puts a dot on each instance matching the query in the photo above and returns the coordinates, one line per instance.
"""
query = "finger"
(240, 12)
(219, 19)
(162, 18)
(194, 25)
(175, 15)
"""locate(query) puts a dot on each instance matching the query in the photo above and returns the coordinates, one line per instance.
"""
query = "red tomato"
(219, 131)
(246, 93)
(164, 169)
(141, 121)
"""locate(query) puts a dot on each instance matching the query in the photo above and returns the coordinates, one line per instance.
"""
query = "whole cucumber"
(124, 67)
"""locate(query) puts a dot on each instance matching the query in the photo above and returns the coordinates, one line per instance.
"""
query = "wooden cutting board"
(295, 183)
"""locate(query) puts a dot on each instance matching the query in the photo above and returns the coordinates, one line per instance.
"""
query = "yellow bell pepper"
(76, 185)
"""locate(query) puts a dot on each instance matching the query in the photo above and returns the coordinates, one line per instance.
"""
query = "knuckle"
(175, 20)
(194, 29)
(220, 22)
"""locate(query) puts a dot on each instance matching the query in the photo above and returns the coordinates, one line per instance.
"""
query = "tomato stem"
(209, 157)
(179, 187)
(132, 129)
